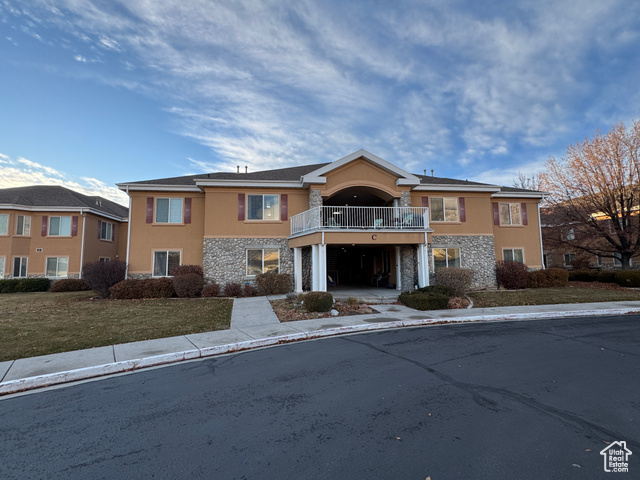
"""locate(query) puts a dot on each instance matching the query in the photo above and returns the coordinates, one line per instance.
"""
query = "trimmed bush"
(249, 290)
(101, 276)
(439, 289)
(273, 283)
(22, 285)
(158, 288)
(318, 301)
(69, 285)
(9, 286)
(551, 277)
(421, 300)
(212, 290)
(511, 275)
(187, 270)
(232, 290)
(458, 279)
(188, 285)
(628, 278)
(584, 275)
(127, 290)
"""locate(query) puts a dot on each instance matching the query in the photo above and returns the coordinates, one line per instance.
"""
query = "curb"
(40, 381)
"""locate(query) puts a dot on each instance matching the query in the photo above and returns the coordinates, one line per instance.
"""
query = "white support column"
(297, 268)
(322, 263)
(423, 266)
(315, 265)
(398, 266)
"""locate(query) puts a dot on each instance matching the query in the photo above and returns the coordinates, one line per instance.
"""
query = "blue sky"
(98, 92)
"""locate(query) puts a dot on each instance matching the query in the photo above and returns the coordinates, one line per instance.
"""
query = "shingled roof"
(56, 196)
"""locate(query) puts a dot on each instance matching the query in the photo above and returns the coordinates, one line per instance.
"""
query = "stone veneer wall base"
(477, 252)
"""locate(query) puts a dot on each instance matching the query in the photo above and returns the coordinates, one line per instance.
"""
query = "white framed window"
(513, 254)
(168, 210)
(263, 207)
(569, 258)
(106, 231)
(23, 225)
(60, 226)
(20, 267)
(104, 259)
(57, 267)
(444, 209)
(164, 262)
(1, 267)
(510, 214)
(4, 224)
(262, 260)
(446, 257)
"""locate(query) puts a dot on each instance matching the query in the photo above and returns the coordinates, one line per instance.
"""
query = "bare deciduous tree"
(528, 183)
(595, 194)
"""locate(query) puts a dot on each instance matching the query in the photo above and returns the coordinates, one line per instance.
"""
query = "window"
(57, 267)
(446, 257)
(60, 226)
(263, 207)
(104, 259)
(168, 210)
(569, 258)
(106, 231)
(444, 209)
(510, 214)
(1, 267)
(514, 254)
(23, 226)
(617, 260)
(20, 267)
(263, 260)
(165, 262)
(4, 224)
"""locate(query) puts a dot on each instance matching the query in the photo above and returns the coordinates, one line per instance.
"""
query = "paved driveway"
(526, 400)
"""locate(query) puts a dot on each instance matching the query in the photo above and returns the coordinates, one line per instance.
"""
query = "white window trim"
(444, 210)
(3, 260)
(262, 248)
(26, 270)
(23, 224)
(445, 247)
(564, 259)
(512, 253)
(60, 217)
(104, 259)
(277, 219)
(8, 218)
(510, 219)
(46, 262)
(110, 231)
(153, 261)
(169, 222)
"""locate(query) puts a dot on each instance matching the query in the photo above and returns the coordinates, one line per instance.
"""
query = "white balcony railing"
(357, 218)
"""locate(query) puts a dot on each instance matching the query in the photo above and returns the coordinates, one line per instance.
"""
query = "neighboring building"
(51, 231)
(359, 220)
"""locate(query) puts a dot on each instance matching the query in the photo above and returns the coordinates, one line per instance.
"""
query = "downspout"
(126, 271)
(540, 233)
(84, 223)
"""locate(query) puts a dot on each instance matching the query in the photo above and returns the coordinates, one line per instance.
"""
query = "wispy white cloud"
(22, 172)
(80, 58)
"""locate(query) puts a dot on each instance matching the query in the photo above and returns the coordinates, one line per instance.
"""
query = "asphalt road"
(513, 400)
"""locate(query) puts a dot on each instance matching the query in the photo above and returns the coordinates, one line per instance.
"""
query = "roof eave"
(249, 183)
(539, 195)
(145, 187)
(36, 208)
(456, 188)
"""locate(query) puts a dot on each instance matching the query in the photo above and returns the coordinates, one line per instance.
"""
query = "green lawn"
(41, 323)
(548, 296)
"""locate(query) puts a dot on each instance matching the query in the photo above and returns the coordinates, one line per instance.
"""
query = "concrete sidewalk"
(253, 325)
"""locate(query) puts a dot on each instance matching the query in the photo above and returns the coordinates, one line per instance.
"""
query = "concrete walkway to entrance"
(253, 325)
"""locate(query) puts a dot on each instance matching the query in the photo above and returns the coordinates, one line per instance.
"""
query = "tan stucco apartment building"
(357, 220)
(51, 231)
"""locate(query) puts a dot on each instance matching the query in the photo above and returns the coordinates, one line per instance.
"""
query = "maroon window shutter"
(496, 214)
(241, 206)
(284, 207)
(74, 226)
(523, 207)
(45, 221)
(187, 210)
(463, 212)
(425, 202)
(149, 209)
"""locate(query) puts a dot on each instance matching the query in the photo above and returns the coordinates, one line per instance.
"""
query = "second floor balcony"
(360, 218)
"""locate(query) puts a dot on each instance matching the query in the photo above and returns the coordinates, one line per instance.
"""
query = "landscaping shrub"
(584, 275)
(212, 290)
(458, 279)
(127, 289)
(158, 288)
(511, 275)
(101, 276)
(249, 290)
(232, 290)
(421, 300)
(318, 301)
(188, 285)
(439, 289)
(9, 286)
(21, 285)
(628, 278)
(551, 277)
(187, 270)
(273, 283)
(69, 285)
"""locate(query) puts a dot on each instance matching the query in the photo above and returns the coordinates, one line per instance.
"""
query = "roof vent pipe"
(246, 169)
(425, 172)
(432, 172)
(238, 169)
